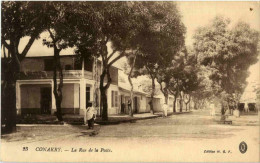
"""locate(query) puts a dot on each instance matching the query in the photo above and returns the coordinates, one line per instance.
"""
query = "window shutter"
(116, 99)
(112, 98)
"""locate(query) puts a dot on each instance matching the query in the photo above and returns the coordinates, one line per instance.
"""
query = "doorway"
(122, 104)
(87, 96)
(46, 100)
(135, 104)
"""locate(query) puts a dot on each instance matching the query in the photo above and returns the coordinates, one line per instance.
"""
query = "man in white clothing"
(165, 108)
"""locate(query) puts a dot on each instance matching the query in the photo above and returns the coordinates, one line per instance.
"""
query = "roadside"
(196, 125)
(79, 119)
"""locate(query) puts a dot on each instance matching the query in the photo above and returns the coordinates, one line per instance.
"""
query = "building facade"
(34, 89)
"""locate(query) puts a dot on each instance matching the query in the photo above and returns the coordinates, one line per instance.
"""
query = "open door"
(46, 100)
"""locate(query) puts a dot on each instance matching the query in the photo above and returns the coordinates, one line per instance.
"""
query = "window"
(48, 65)
(114, 98)
(87, 95)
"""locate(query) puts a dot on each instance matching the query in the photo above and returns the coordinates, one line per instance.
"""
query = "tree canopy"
(228, 52)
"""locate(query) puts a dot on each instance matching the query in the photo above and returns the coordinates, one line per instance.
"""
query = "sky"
(194, 15)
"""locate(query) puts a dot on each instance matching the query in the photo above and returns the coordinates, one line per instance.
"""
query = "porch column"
(82, 97)
(53, 105)
(18, 98)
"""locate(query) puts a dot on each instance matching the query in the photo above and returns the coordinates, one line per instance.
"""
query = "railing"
(67, 74)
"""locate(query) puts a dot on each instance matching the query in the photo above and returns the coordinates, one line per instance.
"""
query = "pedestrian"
(90, 115)
(222, 109)
(165, 108)
(212, 109)
(246, 108)
(150, 104)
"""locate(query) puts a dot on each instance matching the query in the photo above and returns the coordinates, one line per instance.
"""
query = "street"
(195, 133)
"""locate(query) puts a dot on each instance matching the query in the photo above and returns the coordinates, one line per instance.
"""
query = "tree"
(131, 59)
(205, 90)
(172, 76)
(19, 20)
(190, 81)
(123, 25)
(229, 52)
(162, 29)
(110, 23)
(59, 29)
(162, 40)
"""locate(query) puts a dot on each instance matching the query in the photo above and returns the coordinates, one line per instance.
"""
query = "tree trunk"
(9, 98)
(195, 105)
(103, 92)
(132, 87)
(104, 102)
(180, 102)
(166, 98)
(152, 94)
(174, 103)
(57, 91)
(186, 103)
(165, 92)
(180, 105)
(131, 97)
(10, 73)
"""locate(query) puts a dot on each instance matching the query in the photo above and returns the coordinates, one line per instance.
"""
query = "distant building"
(248, 100)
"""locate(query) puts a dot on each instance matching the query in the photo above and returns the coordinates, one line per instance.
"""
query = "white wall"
(142, 104)
(157, 106)
(67, 96)
(30, 96)
(112, 110)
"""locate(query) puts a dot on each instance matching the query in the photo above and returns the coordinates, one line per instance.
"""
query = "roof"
(38, 50)
(162, 96)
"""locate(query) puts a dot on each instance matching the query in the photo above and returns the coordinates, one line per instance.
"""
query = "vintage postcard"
(130, 81)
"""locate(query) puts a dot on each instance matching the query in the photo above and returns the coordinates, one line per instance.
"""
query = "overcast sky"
(194, 15)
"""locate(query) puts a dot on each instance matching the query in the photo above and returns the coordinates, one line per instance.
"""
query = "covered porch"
(37, 97)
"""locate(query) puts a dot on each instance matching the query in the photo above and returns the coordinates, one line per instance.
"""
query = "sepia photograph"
(130, 81)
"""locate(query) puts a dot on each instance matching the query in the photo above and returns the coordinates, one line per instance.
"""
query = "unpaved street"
(188, 136)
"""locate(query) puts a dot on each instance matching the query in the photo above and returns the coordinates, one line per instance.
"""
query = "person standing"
(246, 108)
(151, 105)
(90, 115)
(129, 105)
(212, 109)
(165, 109)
